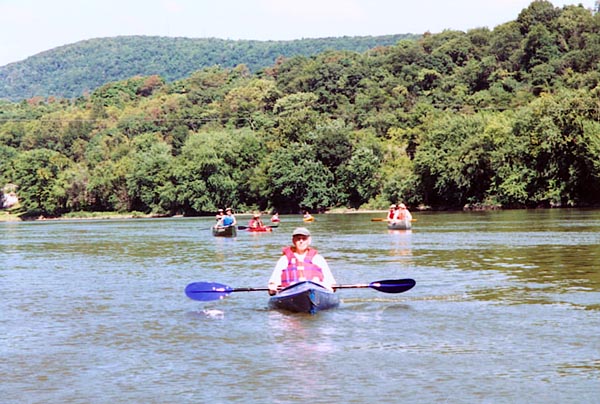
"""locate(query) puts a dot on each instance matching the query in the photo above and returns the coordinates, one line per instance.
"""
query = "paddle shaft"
(355, 286)
(373, 285)
(249, 290)
(381, 219)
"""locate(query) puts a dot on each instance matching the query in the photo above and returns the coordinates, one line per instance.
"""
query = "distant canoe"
(308, 219)
(227, 231)
(400, 225)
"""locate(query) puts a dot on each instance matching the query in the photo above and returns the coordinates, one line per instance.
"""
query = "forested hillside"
(70, 71)
(508, 117)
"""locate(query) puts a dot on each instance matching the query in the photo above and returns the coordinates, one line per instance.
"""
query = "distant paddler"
(308, 217)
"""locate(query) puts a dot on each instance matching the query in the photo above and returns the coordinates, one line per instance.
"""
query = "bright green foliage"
(297, 181)
(360, 177)
(295, 116)
(7, 155)
(36, 173)
(148, 182)
(452, 161)
(219, 168)
(107, 186)
(332, 143)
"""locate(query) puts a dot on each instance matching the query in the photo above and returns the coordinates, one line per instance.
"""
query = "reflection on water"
(505, 309)
(401, 242)
(302, 347)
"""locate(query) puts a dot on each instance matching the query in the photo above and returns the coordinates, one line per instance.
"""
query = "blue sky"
(28, 27)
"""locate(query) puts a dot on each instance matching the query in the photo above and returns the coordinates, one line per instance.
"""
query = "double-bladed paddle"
(383, 219)
(248, 227)
(207, 291)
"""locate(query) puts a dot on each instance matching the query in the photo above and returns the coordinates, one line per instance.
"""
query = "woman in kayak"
(300, 262)
(256, 222)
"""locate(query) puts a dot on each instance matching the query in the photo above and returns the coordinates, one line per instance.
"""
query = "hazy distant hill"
(68, 71)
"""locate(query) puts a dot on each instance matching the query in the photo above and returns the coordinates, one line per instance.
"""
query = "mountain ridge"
(71, 70)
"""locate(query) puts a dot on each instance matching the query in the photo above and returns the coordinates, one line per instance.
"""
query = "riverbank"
(7, 216)
(11, 217)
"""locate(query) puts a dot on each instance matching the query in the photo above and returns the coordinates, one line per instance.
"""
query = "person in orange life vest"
(255, 222)
(391, 212)
(401, 214)
(300, 262)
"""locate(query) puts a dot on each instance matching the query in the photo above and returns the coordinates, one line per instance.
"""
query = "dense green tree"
(539, 47)
(7, 155)
(539, 12)
(559, 152)
(453, 161)
(12, 133)
(360, 177)
(36, 173)
(505, 45)
(298, 181)
(258, 96)
(107, 186)
(74, 182)
(203, 180)
(295, 117)
(148, 182)
(333, 145)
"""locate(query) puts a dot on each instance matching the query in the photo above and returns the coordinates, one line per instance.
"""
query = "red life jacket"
(297, 271)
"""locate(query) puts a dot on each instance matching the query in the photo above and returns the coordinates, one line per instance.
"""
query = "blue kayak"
(304, 297)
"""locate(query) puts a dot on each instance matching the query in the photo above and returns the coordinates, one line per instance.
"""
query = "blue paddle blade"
(207, 291)
(393, 285)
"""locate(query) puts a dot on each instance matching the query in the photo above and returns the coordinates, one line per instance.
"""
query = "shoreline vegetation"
(8, 216)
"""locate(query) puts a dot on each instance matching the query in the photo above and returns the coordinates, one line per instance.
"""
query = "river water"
(506, 309)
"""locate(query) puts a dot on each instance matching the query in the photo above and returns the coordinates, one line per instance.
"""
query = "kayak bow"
(304, 297)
